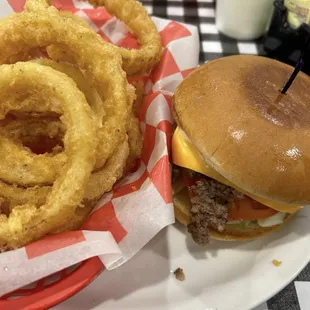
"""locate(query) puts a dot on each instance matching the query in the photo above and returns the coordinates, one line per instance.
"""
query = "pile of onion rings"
(68, 122)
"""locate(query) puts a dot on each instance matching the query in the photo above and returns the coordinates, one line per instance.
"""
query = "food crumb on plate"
(179, 274)
(276, 262)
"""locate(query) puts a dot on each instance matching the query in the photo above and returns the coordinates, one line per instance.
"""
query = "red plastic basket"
(49, 292)
(58, 287)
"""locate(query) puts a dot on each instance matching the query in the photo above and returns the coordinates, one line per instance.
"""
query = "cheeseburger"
(241, 150)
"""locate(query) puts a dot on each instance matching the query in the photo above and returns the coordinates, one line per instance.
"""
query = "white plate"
(222, 276)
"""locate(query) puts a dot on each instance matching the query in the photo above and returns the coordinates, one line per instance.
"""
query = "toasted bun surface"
(182, 213)
(226, 107)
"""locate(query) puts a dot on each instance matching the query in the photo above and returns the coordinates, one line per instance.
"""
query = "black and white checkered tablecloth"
(202, 14)
(213, 45)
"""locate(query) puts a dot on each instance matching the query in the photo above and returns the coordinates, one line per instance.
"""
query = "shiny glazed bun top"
(228, 109)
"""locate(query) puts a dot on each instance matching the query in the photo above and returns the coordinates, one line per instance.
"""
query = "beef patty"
(209, 208)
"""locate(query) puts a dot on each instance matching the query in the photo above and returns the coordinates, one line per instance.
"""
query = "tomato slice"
(189, 181)
(248, 209)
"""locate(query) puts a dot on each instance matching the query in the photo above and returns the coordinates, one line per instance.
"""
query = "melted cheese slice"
(184, 154)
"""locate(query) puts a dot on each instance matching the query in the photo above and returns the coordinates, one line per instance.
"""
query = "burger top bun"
(228, 109)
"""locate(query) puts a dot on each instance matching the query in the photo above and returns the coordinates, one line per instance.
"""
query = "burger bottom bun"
(182, 211)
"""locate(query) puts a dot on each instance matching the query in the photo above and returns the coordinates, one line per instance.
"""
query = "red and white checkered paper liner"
(141, 204)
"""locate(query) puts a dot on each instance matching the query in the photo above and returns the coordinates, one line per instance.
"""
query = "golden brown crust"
(182, 213)
(226, 109)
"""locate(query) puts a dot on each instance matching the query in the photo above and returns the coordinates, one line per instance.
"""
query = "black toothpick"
(298, 67)
(304, 32)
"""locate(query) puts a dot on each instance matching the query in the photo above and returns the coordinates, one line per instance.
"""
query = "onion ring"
(93, 99)
(27, 222)
(42, 168)
(105, 67)
(96, 188)
(28, 131)
(99, 183)
(44, 209)
(135, 16)
(106, 178)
